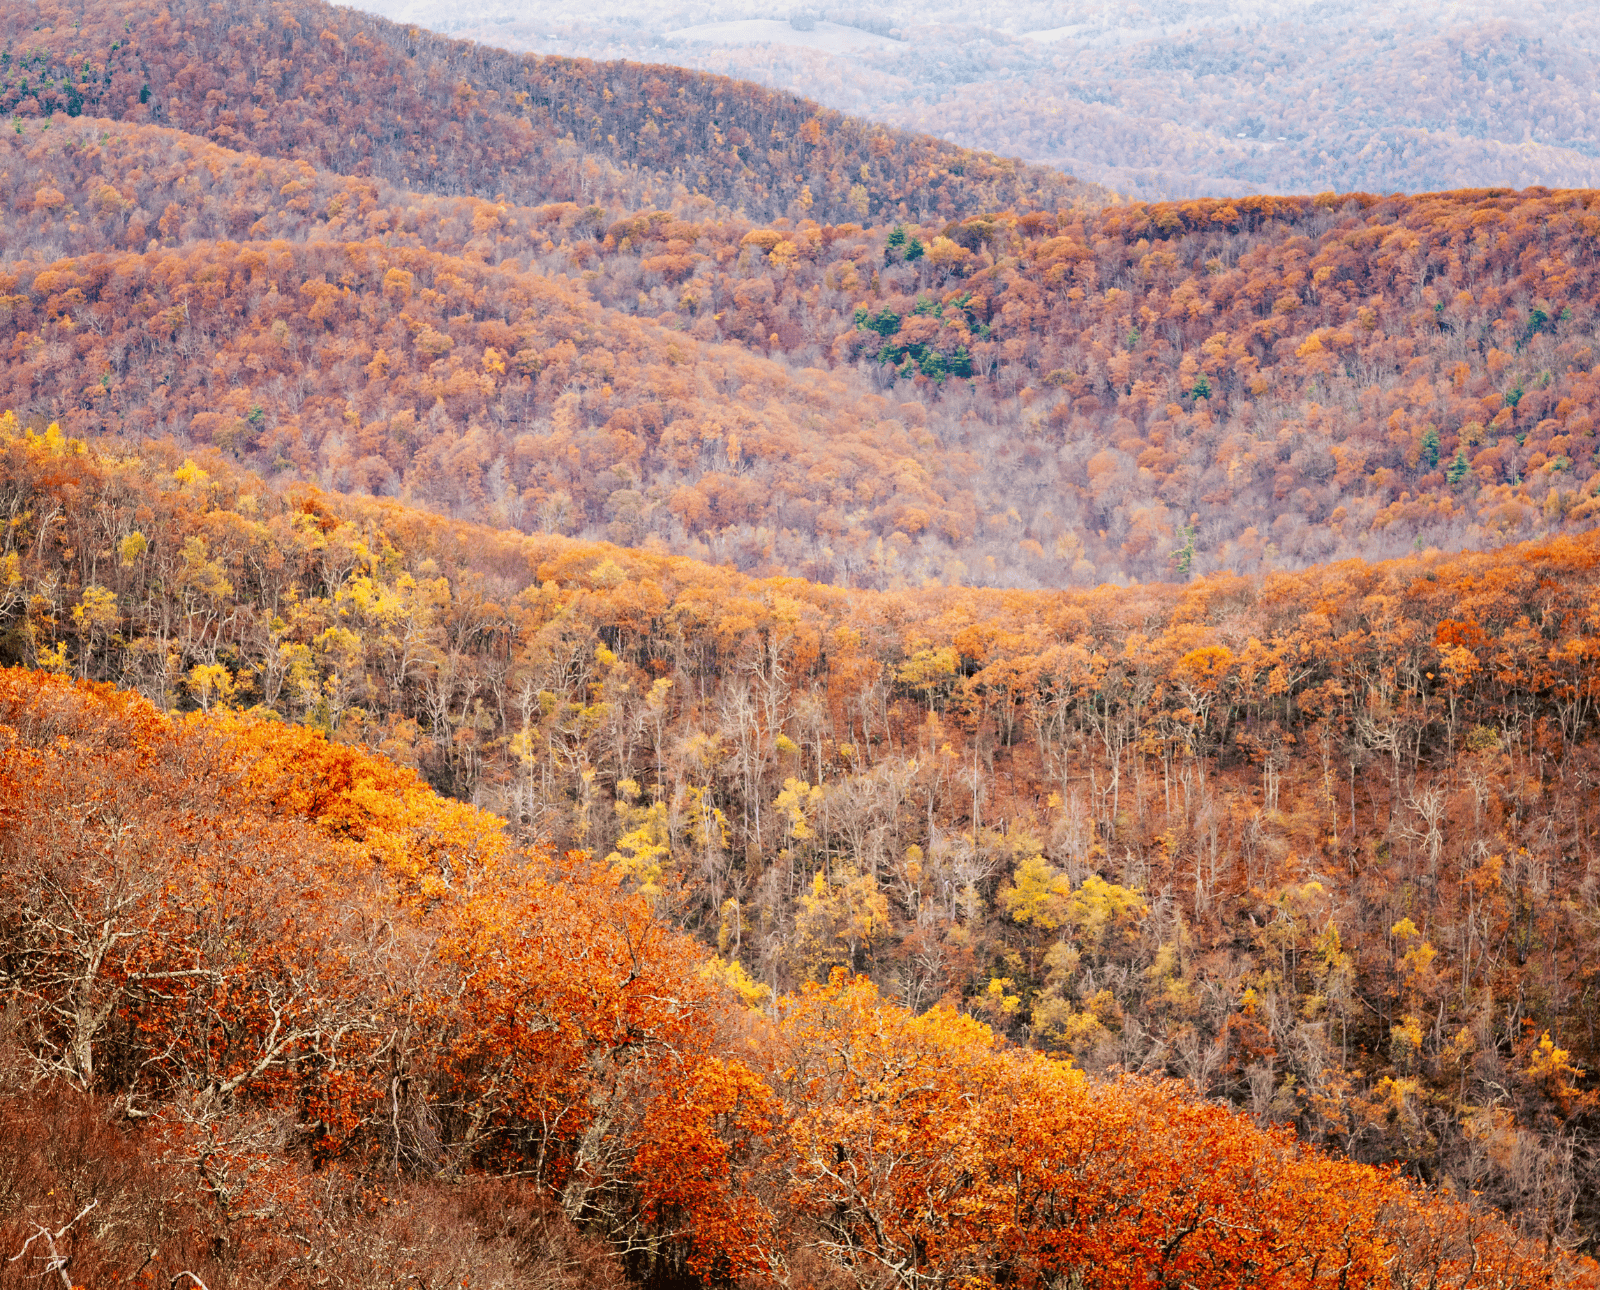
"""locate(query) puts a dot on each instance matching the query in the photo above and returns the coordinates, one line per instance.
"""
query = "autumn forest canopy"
(608, 677)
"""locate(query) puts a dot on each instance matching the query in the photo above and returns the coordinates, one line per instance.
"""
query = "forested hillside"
(1138, 392)
(1319, 844)
(363, 96)
(389, 1047)
(1352, 96)
(574, 709)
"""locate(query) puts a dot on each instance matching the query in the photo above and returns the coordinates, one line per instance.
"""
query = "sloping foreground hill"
(1318, 844)
(297, 1015)
(364, 96)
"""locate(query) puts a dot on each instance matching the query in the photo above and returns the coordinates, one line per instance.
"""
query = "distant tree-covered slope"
(1048, 399)
(1342, 97)
(364, 96)
(1159, 101)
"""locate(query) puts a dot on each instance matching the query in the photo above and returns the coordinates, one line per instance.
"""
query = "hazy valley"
(1153, 101)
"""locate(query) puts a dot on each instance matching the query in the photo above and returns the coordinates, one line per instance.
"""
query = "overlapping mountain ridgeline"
(1227, 101)
(1044, 398)
(356, 94)
(878, 929)
(1319, 845)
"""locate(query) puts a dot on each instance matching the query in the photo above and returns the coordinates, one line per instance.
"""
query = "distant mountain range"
(1152, 100)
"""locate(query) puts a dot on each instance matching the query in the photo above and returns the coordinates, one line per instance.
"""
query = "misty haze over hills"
(1154, 100)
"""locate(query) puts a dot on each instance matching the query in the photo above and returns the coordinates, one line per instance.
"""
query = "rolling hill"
(1130, 393)
(608, 677)
(366, 97)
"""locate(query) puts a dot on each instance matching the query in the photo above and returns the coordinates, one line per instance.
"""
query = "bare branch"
(57, 1262)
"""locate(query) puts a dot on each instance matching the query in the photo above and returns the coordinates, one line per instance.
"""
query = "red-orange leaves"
(217, 918)
(888, 1123)
(288, 960)
(166, 934)
(428, 846)
(579, 1036)
(925, 1155)
(708, 1160)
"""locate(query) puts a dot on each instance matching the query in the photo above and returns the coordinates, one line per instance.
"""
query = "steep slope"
(274, 952)
(363, 96)
(1314, 844)
(320, 996)
(1318, 844)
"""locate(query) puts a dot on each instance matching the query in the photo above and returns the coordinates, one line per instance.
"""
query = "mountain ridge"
(399, 880)
(1163, 102)
(1040, 399)
(489, 110)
